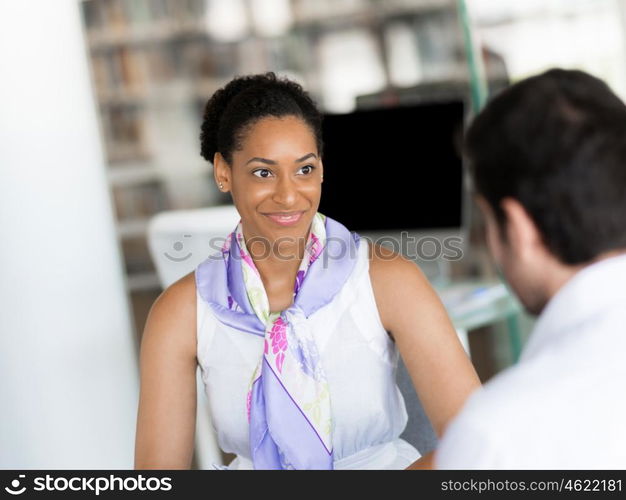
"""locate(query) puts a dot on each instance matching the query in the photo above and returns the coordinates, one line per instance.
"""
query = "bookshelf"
(154, 64)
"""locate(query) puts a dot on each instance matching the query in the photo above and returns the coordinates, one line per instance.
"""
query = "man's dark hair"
(246, 99)
(556, 143)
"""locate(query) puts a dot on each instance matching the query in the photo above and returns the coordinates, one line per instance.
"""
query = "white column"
(68, 370)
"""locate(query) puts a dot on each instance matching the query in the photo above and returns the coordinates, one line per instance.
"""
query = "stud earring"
(221, 186)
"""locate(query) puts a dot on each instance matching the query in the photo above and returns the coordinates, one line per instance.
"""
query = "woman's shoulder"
(385, 263)
(180, 296)
(395, 280)
(172, 317)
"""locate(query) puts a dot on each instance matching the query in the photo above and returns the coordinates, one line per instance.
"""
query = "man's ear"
(522, 233)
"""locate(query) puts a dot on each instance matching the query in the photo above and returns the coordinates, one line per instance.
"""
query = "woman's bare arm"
(411, 311)
(167, 405)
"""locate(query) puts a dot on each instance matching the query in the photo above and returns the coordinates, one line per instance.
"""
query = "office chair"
(178, 241)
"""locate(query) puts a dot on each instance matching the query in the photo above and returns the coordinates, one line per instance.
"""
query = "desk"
(474, 304)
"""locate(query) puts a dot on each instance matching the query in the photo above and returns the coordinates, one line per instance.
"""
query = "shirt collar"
(594, 288)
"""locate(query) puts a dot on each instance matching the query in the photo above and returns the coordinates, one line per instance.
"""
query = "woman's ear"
(221, 172)
(522, 233)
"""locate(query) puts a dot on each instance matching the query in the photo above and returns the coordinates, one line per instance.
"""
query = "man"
(548, 161)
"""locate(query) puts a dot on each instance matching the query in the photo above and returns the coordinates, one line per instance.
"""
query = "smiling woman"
(297, 322)
(280, 187)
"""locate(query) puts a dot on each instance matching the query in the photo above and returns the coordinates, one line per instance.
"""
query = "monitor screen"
(394, 169)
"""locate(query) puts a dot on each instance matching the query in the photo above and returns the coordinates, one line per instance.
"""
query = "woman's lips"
(286, 219)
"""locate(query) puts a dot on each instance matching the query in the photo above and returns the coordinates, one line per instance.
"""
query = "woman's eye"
(263, 173)
(307, 169)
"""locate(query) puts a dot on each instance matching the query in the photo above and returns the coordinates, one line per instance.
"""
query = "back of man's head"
(556, 143)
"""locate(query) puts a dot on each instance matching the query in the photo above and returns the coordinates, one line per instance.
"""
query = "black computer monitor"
(394, 169)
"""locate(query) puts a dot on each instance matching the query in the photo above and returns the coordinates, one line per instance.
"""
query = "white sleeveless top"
(360, 362)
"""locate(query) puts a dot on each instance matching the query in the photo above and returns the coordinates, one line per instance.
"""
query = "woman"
(296, 322)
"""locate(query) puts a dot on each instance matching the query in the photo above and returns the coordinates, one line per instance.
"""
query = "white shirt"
(563, 406)
(359, 360)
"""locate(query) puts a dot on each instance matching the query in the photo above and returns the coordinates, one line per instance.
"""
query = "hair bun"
(246, 99)
(217, 105)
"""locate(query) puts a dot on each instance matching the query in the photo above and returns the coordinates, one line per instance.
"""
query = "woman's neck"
(278, 261)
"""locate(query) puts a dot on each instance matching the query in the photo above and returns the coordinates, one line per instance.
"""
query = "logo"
(16, 484)
(178, 246)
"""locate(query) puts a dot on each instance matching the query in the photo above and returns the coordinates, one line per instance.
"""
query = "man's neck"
(562, 273)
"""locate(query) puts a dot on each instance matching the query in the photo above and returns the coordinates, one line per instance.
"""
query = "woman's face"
(275, 178)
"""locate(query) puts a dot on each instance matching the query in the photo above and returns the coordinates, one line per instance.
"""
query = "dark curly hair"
(233, 109)
(556, 142)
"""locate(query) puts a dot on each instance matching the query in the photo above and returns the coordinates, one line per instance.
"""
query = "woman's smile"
(285, 218)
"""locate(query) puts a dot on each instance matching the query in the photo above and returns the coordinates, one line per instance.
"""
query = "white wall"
(68, 371)
(535, 35)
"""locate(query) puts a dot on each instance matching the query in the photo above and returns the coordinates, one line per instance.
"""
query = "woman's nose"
(285, 192)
